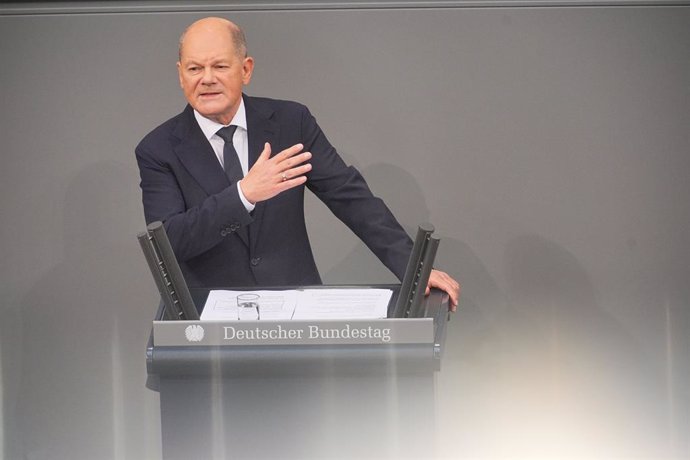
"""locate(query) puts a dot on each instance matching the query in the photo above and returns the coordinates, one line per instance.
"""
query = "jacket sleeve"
(343, 189)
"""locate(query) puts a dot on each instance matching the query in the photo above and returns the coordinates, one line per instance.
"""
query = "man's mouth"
(208, 95)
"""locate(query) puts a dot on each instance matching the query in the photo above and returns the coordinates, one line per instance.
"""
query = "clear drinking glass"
(248, 307)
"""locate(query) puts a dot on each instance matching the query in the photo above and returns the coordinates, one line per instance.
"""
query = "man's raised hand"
(273, 175)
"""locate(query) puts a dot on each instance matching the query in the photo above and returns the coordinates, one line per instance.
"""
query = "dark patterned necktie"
(231, 162)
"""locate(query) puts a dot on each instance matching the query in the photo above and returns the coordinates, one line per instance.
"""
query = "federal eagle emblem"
(194, 333)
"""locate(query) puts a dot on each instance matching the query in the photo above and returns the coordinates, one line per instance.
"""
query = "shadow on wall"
(82, 392)
(581, 382)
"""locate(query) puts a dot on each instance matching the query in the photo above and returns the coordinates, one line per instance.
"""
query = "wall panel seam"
(124, 7)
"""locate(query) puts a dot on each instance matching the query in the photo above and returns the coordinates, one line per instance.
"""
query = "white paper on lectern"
(307, 304)
(342, 304)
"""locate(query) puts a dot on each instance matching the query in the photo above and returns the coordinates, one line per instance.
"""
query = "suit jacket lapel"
(260, 129)
(198, 157)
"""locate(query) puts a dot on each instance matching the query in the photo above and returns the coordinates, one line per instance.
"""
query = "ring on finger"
(284, 177)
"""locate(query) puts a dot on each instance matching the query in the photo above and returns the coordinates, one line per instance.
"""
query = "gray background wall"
(549, 146)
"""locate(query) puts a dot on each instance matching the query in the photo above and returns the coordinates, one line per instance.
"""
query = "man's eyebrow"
(188, 61)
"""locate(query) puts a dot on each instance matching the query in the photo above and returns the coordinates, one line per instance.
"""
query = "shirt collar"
(210, 127)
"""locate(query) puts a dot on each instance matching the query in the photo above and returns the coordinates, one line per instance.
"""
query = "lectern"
(296, 389)
(290, 398)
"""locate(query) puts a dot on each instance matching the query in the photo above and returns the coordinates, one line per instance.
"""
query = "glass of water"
(248, 307)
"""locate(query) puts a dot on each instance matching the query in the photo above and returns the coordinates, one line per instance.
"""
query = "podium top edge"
(388, 321)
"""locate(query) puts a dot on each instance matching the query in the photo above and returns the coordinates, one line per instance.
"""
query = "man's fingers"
(288, 152)
(445, 282)
(294, 160)
(295, 172)
(287, 160)
(265, 153)
(290, 183)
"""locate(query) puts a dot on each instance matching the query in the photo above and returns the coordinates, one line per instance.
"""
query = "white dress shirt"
(239, 140)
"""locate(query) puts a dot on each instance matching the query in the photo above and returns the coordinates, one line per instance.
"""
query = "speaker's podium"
(349, 388)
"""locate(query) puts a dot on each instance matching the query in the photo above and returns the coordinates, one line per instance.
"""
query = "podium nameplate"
(341, 332)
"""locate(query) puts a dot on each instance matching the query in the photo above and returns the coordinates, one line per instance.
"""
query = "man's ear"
(247, 69)
(179, 73)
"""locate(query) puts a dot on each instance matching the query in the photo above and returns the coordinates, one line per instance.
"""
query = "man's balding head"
(218, 26)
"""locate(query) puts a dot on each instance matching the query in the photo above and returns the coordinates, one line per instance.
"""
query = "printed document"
(298, 304)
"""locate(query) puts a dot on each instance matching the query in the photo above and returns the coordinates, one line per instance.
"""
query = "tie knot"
(226, 133)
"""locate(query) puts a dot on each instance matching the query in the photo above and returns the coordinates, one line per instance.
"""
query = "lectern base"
(298, 417)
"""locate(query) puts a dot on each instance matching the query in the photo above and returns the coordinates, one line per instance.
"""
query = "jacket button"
(223, 233)
(255, 261)
(234, 227)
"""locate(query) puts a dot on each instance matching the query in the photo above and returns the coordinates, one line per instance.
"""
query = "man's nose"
(208, 76)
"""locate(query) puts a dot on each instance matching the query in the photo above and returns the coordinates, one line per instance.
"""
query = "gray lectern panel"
(269, 361)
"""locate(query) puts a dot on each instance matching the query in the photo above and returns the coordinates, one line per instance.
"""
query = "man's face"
(211, 72)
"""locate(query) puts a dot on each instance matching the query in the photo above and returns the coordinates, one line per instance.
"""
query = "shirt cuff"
(247, 205)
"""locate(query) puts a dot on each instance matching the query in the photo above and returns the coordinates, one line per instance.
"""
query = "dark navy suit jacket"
(217, 242)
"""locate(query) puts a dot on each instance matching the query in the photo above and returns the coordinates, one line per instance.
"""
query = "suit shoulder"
(265, 104)
(161, 134)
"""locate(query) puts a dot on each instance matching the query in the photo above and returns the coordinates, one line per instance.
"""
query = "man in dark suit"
(234, 210)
